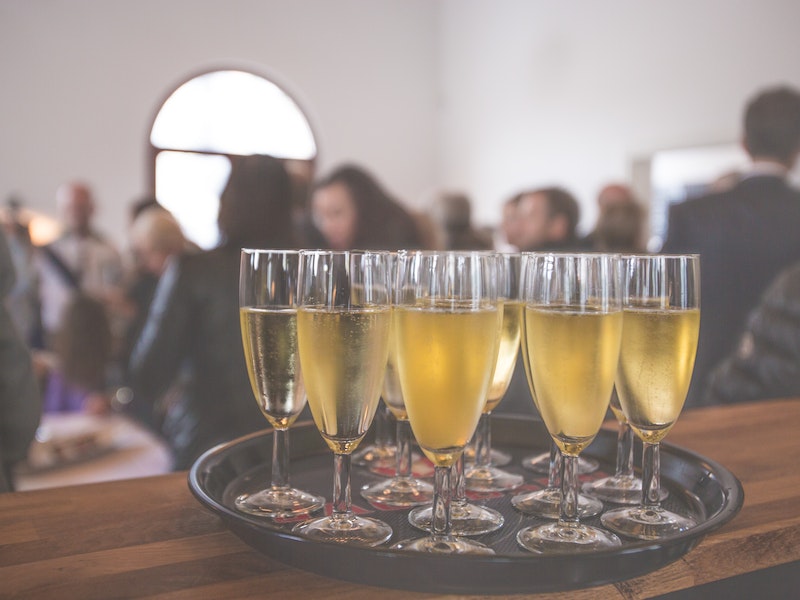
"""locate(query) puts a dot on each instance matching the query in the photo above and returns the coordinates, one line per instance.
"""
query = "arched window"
(206, 121)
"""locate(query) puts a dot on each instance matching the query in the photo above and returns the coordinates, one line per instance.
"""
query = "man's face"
(78, 207)
(533, 221)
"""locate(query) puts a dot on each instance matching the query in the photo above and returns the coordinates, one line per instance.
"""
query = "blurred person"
(78, 379)
(155, 236)
(609, 197)
(766, 363)
(22, 300)
(20, 401)
(350, 210)
(547, 220)
(191, 339)
(80, 260)
(745, 235)
(620, 228)
(506, 237)
(451, 213)
(614, 194)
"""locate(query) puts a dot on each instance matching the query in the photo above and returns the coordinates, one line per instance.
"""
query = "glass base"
(443, 545)
(398, 492)
(546, 503)
(345, 529)
(497, 458)
(465, 519)
(491, 479)
(374, 455)
(540, 463)
(619, 490)
(646, 523)
(279, 503)
(565, 538)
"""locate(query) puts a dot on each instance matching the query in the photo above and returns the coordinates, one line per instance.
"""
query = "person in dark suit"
(188, 361)
(745, 235)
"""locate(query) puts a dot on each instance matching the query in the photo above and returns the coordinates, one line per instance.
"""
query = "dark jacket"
(192, 336)
(20, 401)
(745, 236)
(766, 363)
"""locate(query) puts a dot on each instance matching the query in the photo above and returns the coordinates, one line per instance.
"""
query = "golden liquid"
(655, 367)
(269, 337)
(526, 363)
(614, 404)
(343, 353)
(392, 392)
(573, 357)
(445, 360)
(506, 354)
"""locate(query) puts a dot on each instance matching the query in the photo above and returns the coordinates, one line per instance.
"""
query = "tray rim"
(643, 556)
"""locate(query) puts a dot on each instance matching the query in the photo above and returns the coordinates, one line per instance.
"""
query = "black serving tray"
(697, 486)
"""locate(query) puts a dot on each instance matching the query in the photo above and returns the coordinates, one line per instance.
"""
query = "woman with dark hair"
(83, 349)
(350, 209)
(190, 344)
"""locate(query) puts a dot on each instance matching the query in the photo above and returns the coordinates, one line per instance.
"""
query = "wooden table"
(150, 537)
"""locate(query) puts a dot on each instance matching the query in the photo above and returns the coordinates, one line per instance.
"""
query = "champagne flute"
(546, 502)
(268, 317)
(573, 327)
(343, 337)
(623, 487)
(483, 476)
(467, 518)
(659, 342)
(402, 490)
(448, 324)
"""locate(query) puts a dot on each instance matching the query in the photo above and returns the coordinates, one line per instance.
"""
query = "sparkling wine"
(445, 359)
(655, 367)
(392, 392)
(616, 407)
(506, 355)
(269, 337)
(343, 353)
(573, 356)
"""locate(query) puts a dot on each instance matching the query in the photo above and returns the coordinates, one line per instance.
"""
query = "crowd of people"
(167, 325)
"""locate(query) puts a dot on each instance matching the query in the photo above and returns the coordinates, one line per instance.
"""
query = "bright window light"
(233, 112)
(189, 186)
(207, 119)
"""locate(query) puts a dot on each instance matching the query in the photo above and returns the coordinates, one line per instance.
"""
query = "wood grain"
(151, 538)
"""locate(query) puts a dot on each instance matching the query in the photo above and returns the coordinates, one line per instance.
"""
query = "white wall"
(81, 81)
(486, 96)
(540, 92)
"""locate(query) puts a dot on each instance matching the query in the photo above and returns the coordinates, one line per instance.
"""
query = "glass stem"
(554, 472)
(624, 451)
(483, 442)
(651, 476)
(341, 486)
(459, 496)
(403, 464)
(442, 490)
(382, 439)
(280, 459)
(569, 491)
